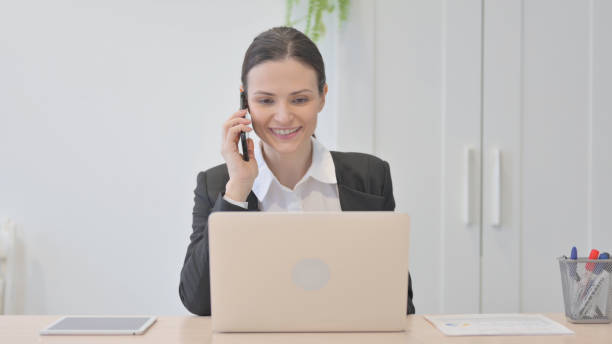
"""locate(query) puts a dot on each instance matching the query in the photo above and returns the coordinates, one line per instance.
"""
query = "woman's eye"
(300, 100)
(266, 101)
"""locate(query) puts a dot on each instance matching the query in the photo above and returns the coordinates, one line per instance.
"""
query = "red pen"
(583, 291)
(593, 255)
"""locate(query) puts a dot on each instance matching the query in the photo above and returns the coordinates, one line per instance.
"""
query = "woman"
(283, 76)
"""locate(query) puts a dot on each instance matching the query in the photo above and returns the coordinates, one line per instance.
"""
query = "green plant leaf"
(315, 28)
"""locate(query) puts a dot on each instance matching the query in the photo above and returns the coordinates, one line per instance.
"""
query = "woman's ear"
(323, 96)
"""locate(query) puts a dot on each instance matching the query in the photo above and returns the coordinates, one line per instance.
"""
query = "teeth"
(285, 132)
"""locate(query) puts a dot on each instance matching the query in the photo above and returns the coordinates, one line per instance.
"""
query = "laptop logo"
(310, 274)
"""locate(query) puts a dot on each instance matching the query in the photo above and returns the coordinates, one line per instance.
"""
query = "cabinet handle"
(467, 185)
(496, 189)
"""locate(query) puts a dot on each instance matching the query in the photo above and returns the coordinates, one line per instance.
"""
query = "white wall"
(108, 109)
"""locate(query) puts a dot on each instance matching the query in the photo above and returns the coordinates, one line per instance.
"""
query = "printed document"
(496, 324)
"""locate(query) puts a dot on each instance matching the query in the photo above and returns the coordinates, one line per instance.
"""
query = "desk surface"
(191, 329)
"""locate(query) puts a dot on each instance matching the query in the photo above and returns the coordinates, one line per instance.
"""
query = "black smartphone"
(243, 138)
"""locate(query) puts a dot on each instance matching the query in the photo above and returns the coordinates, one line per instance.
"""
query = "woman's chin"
(285, 147)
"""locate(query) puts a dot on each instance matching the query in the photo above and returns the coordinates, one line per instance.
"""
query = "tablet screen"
(99, 325)
(77, 323)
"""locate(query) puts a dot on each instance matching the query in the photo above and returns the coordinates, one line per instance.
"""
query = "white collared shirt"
(316, 191)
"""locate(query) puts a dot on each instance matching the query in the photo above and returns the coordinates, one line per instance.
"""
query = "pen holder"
(587, 291)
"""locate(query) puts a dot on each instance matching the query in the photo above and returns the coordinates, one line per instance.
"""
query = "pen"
(573, 265)
(587, 281)
(596, 302)
(592, 256)
(604, 255)
(590, 284)
(601, 266)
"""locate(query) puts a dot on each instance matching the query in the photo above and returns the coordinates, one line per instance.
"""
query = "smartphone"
(243, 137)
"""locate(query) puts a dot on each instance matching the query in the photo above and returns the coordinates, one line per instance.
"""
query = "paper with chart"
(496, 324)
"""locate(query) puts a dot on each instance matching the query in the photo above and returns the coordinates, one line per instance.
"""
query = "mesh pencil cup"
(587, 291)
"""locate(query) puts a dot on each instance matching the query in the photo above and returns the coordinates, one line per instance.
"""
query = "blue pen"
(572, 266)
(600, 266)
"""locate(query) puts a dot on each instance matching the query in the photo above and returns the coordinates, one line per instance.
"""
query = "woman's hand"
(242, 173)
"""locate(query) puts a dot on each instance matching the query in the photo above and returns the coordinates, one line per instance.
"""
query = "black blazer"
(364, 183)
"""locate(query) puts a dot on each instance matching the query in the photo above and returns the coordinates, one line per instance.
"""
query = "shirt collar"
(322, 169)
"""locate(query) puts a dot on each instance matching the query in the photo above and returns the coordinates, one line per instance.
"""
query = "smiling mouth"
(285, 133)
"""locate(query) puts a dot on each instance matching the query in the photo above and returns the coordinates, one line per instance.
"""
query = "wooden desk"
(192, 329)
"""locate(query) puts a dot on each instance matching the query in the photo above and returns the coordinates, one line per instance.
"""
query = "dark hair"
(279, 43)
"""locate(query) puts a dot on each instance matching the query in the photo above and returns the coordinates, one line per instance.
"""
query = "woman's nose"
(283, 114)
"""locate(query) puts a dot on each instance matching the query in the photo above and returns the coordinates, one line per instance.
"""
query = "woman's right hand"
(242, 173)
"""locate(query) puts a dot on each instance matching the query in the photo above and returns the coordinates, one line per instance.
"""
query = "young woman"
(283, 76)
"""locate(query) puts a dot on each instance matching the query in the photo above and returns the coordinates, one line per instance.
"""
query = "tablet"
(99, 325)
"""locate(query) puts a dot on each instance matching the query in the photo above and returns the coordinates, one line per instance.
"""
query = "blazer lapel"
(352, 199)
(253, 202)
(355, 200)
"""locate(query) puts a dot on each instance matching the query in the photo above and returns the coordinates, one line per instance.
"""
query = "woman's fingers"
(232, 128)
(251, 148)
(233, 136)
(239, 113)
(233, 121)
(235, 130)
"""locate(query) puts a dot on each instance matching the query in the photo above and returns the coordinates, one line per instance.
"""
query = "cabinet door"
(548, 110)
(501, 227)
(428, 126)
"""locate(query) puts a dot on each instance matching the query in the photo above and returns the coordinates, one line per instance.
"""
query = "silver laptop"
(308, 271)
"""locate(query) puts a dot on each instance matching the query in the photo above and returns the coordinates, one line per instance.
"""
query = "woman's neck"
(288, 168)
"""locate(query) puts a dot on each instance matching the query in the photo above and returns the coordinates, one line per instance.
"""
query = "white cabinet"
(496, 119)
(547, 72)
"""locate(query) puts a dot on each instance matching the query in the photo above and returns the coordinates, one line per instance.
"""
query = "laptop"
(308, 271)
